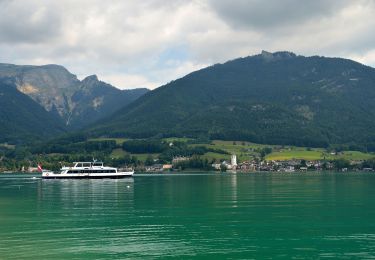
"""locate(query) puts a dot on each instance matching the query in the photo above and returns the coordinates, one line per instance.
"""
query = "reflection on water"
(85, 191)
(197, 215)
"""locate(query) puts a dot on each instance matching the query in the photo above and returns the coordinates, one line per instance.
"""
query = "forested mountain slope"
(276, 98)
(22, 119)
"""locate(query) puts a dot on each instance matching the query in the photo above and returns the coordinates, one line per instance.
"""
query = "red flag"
(40, 167)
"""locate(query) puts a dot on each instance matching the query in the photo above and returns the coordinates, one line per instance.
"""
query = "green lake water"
(215, 216)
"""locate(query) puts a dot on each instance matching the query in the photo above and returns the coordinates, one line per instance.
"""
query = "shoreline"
(169, 173)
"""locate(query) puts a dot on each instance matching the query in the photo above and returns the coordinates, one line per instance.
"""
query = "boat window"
(109, 171)
(86, 164)
(79, 165)
(97, 164)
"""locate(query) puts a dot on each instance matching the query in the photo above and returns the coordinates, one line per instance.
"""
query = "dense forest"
(22, 119)
(275, 98)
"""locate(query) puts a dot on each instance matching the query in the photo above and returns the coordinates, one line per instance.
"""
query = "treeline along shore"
(182, 154)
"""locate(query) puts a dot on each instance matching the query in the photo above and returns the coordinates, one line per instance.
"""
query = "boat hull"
(87, 176)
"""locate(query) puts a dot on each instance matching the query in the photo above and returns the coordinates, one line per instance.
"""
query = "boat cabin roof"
(88, 164)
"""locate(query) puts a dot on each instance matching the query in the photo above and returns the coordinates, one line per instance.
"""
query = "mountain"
(50, 85)
(77, 103)
(95, 99)
(21, 118)
(278, 98)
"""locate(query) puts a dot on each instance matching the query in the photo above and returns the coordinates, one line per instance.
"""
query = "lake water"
(215, 216)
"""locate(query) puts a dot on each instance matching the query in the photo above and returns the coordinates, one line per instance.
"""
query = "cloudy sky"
(148, 43)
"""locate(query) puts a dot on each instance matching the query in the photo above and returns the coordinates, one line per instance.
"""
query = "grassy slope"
(317, 154)
(295, 154)
(118, 153)
(246, 151)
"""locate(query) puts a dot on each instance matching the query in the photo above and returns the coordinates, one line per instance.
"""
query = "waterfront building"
(233, 161)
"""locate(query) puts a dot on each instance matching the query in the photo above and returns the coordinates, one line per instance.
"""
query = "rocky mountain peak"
(59, 92)
(91, 78)
(269, 56)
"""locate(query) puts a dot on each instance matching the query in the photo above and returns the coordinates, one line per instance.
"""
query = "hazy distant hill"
(21, 118)
(77, 103)
(276, 98)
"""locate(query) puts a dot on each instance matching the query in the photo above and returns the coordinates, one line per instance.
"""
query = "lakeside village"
(158, 156)
(256, 165)
(180, 163)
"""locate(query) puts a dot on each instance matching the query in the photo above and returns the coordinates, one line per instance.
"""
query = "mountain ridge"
(57, 90)
(280, 98)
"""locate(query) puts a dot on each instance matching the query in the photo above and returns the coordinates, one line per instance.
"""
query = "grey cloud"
(359, 42)
(123, 40)
(259, 14)
(22, 22)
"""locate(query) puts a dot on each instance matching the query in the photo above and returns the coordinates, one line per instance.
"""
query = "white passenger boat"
(90, 170)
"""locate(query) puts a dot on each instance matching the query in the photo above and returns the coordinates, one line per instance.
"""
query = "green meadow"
(247, 151)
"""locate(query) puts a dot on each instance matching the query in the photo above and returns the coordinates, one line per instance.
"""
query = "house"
(247, 167)
(227, 165)
(216, 166)
(154, 168)
(167, 167)
(289, 169)
(178, 159)
(33, 169)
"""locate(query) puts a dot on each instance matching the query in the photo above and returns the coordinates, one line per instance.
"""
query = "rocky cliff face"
(51, 85)
(95, 99)
(76, 102)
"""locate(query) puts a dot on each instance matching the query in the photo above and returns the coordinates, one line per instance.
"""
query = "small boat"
(89, 170)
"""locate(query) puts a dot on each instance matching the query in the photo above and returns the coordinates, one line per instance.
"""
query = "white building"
(233, 161)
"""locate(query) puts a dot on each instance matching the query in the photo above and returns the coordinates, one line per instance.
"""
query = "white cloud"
(149, 43)
(132, 80)
(366, 58)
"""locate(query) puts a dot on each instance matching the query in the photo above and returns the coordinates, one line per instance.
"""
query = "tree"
(369, 163)
(149, 160)
(265, 151)
(341, 164)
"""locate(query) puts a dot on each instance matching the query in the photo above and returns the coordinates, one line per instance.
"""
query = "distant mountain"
(50, 85)
(77, 103)
(21, 118)
(95, 99)
(278, 98)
